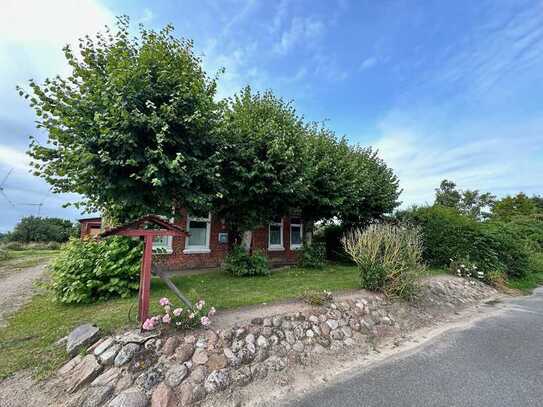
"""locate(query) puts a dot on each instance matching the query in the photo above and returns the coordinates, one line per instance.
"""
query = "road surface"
(496, 362)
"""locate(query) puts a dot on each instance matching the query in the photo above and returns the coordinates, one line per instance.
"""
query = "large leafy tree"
(513, 206)
(468, 202)
(262, 159)
(38, 229)
(133, 128)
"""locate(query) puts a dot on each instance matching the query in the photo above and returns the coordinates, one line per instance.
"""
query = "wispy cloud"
(304, 30)
(368, 63)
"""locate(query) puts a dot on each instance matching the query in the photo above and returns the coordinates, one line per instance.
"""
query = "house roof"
(96, 219)
(137, 223)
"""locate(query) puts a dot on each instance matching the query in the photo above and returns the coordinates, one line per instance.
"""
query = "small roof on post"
(134, 228)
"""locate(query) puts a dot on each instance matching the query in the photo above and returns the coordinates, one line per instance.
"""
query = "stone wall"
(184, 369)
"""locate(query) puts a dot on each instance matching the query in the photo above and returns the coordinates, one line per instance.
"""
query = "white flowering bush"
(181, 318)
(467, 269)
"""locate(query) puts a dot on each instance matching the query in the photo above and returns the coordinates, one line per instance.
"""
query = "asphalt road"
(496, 362)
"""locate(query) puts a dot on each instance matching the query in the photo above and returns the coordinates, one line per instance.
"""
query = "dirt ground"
(16, 288)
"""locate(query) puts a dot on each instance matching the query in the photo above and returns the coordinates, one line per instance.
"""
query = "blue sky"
(442, 89)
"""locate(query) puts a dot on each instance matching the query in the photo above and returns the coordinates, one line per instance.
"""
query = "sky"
(442, 89)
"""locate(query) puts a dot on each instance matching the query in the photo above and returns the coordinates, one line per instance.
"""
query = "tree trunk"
(247, 240)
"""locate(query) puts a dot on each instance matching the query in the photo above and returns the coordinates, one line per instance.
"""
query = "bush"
(312, 256)
(242, 264)
(388, 257)
(91, 270)
(38, 229)
(331, 236)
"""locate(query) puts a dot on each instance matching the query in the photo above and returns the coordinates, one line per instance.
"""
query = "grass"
(20, 259)
(29, 341)
(527, 283)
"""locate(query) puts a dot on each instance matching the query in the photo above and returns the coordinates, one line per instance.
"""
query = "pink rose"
(205, 321)
(166, 319)
(177, 311)
(164, 301)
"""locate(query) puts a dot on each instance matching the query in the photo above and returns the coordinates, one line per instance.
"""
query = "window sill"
(276, 249)
(297, 247)
(196, 251)
(162, 251)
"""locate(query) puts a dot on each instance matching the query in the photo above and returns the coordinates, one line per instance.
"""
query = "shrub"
(467, 269)
(388, 257)
(331, 236)
(242, 264)
(91, 270)
(312, 256)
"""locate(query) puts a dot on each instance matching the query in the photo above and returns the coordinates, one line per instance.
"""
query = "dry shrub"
(389, 258)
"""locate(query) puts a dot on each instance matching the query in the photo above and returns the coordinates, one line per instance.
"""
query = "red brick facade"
(180, 260)
(214, 257)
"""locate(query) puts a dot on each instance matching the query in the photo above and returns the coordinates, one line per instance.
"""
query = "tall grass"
(389, 258)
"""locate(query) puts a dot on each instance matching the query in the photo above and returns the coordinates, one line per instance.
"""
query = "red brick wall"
(179, 260)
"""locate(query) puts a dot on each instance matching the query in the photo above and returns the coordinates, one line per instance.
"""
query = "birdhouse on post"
(147, 227)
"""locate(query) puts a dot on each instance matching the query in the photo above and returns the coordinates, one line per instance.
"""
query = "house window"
(199, 230)
(295, 233)
(275, 235)
(162, 244)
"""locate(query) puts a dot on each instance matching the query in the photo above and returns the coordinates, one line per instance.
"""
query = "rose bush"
(181, 318)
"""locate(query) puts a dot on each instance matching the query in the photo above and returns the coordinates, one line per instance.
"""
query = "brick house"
(209, 240)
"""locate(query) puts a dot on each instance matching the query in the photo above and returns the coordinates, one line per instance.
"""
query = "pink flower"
(155, 319)
(212, 311)
(167, 308)
(166, 319)
(191, 315)
(205, 321)
(200, 304)
(164, 301)
(177, 311)
(149, 324)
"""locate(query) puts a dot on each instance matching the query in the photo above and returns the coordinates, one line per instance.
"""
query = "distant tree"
(519, 205)
(132, 128)
(468, 202)
(38, 229)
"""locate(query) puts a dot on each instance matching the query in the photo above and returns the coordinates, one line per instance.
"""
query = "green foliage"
(331, 236)
(38, 229)
(133, 127)
(242, 264)
(89, 270)
(470, 203)
(312, 256)
(388, 257)
(4, 254)
(519, 205)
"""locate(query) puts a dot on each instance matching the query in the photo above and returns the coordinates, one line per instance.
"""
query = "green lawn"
(528, 283)
(29, 341)
(19, 259)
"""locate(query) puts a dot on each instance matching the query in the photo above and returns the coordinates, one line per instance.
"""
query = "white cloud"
(368, 63)
(501, 164)
(13, 158)
(301, 30)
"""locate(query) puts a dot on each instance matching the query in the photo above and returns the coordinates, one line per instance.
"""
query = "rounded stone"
(163, 396)
(170, 345)
(184, 352)
(131, 397)
(217, 361)
(200, 357)
(176, 374)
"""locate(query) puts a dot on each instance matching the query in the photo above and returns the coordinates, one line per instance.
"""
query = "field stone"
(95, 396)
(199, 374)
(262, 341)
(83, 373)
(216, 381)
(170, 345)
(200, 357)
(109, 377)
(267, 322)
(102, 346)
(217, 361)
(109, 355)
(298, 347)
(325, 329)
(81, 337)
(176, 374)
(150, 378)
(184, 394)
(126, 354)
(70, 365)
(347, 331)
(135, 336)
(276, 321)
(163, 396)
(337, 334)
(332, 323)
(184, 352)
(129, 398)
(267, 331)
(242, 376)
(250, 339)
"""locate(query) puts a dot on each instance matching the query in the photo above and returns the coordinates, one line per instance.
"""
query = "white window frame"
(275, 247)
(297, 246)
(198, 249)
(166, 248)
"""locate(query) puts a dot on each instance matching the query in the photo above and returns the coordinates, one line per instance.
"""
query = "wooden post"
(145, 279)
